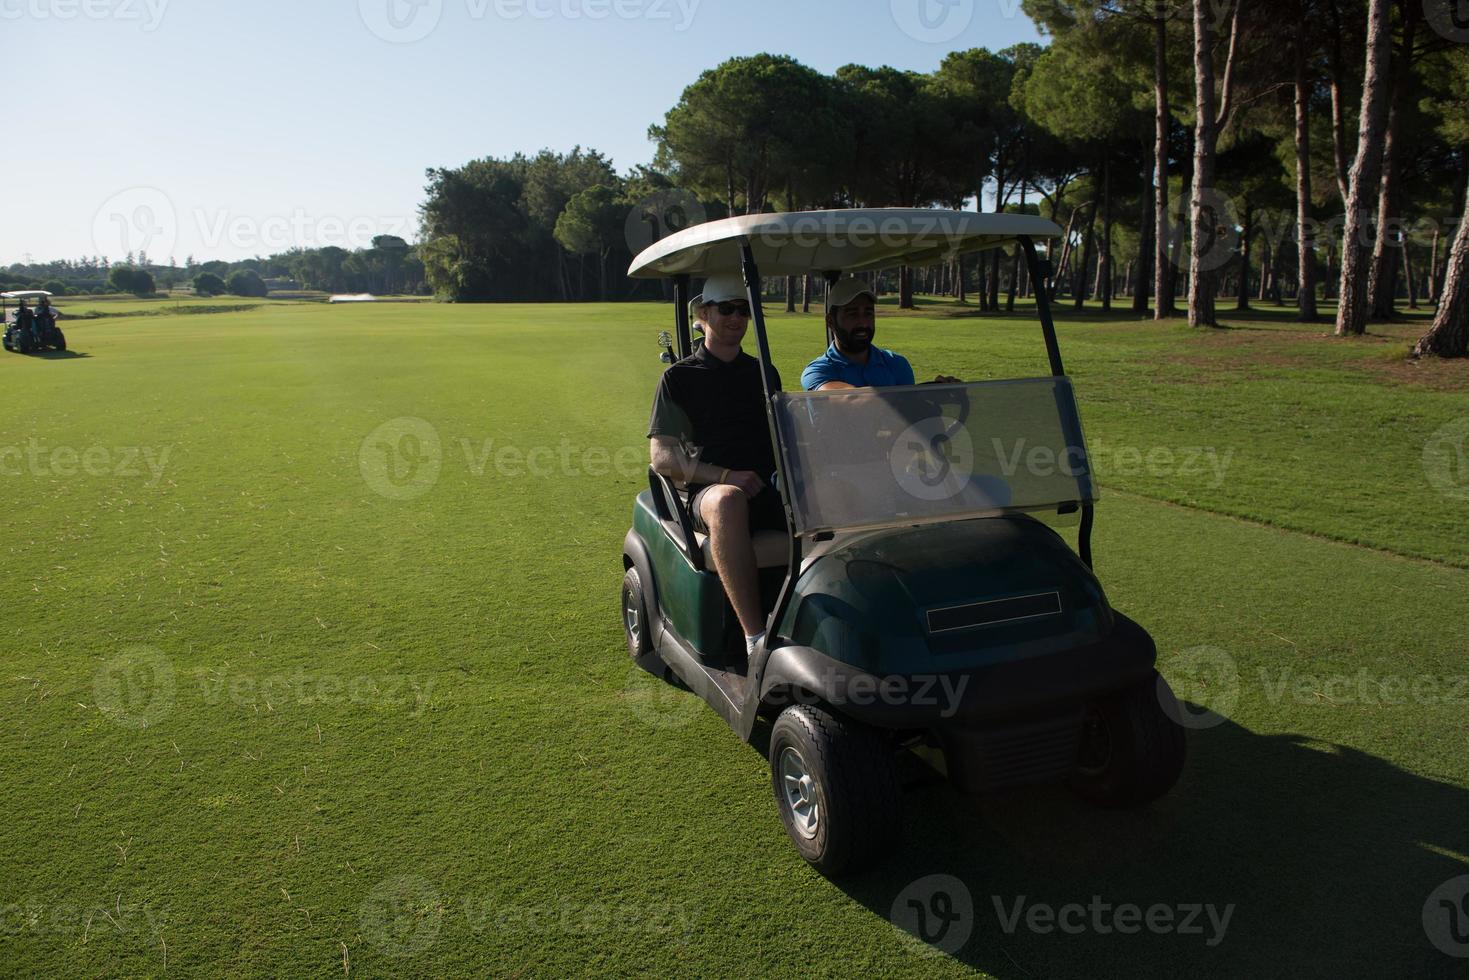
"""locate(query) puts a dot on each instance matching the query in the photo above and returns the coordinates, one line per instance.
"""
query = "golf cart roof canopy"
(798, 242)
(26, 294)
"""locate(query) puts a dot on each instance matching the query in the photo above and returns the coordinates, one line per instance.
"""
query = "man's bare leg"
(726, 512)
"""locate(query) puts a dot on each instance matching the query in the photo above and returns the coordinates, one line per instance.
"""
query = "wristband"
(724, 477)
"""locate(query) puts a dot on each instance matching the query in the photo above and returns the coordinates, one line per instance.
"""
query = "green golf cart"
(29, 330)
(922, 598)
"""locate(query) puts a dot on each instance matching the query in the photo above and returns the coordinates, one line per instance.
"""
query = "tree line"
(1195, 151)
(390, 266)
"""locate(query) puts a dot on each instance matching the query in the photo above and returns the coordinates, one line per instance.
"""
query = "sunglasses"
(731, 308)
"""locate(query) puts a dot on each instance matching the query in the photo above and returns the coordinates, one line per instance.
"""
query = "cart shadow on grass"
(1328, 855)
(58, 355)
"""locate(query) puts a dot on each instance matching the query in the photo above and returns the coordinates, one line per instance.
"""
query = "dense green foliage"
(209, 284)
(246, 282)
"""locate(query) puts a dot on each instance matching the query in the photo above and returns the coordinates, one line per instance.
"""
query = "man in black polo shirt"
(709, 430)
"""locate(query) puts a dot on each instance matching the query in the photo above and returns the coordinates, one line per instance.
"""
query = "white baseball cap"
(724, 287)
(848, 289)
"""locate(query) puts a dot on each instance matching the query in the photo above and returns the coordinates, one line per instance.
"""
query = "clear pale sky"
(225, 129)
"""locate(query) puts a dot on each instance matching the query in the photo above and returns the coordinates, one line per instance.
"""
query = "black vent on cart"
(994, 611)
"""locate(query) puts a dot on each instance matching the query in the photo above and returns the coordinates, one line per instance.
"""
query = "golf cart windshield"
(884, 457)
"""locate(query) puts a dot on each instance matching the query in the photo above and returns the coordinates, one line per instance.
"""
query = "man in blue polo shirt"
(851, 361)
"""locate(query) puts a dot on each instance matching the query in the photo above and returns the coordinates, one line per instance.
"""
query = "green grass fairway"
(312, 662)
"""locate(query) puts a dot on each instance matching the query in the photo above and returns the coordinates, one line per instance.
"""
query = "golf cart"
(26, 330)
(921, 599)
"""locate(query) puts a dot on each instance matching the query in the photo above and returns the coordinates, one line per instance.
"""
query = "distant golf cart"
(918, 602)
(28, 330)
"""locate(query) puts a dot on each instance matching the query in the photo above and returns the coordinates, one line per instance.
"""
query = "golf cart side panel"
(693, 601)
(965, 594)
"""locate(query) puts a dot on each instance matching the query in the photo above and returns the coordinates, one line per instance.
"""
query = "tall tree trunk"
(1305, 238)
(1244, 260)
(790, 294)
(905, 288)
(1351, 317)
(1265, 261)
(1104, 265)
(1277, 270)
(1338, 106)
(1086, 259)
(1164, 305)
(961, 287)
(1064, 265)
(1205, 221)
(1382, 284)
(1433, 268)
(1449, 336)
(1147, 228)
(1408, 275)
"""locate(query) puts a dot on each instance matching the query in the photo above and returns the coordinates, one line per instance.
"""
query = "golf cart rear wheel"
(1132, 749)
(635, 615)
(836, 785)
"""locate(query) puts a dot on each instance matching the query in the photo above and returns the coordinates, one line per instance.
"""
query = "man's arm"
(670, 459)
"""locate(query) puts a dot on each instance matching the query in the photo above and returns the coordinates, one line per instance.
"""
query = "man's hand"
(746, 480)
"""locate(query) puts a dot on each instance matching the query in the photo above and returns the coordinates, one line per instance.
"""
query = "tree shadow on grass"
(1328, 856)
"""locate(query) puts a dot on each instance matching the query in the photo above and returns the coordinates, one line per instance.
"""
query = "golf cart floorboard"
(703, 679)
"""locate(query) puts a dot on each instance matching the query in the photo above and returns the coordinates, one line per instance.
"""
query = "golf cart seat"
(669, 503)
(772, 549)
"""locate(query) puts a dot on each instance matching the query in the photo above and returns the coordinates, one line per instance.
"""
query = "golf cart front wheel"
(1132, 749)
(836, 786)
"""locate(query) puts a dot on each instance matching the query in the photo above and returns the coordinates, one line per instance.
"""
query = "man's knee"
(725, 506)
